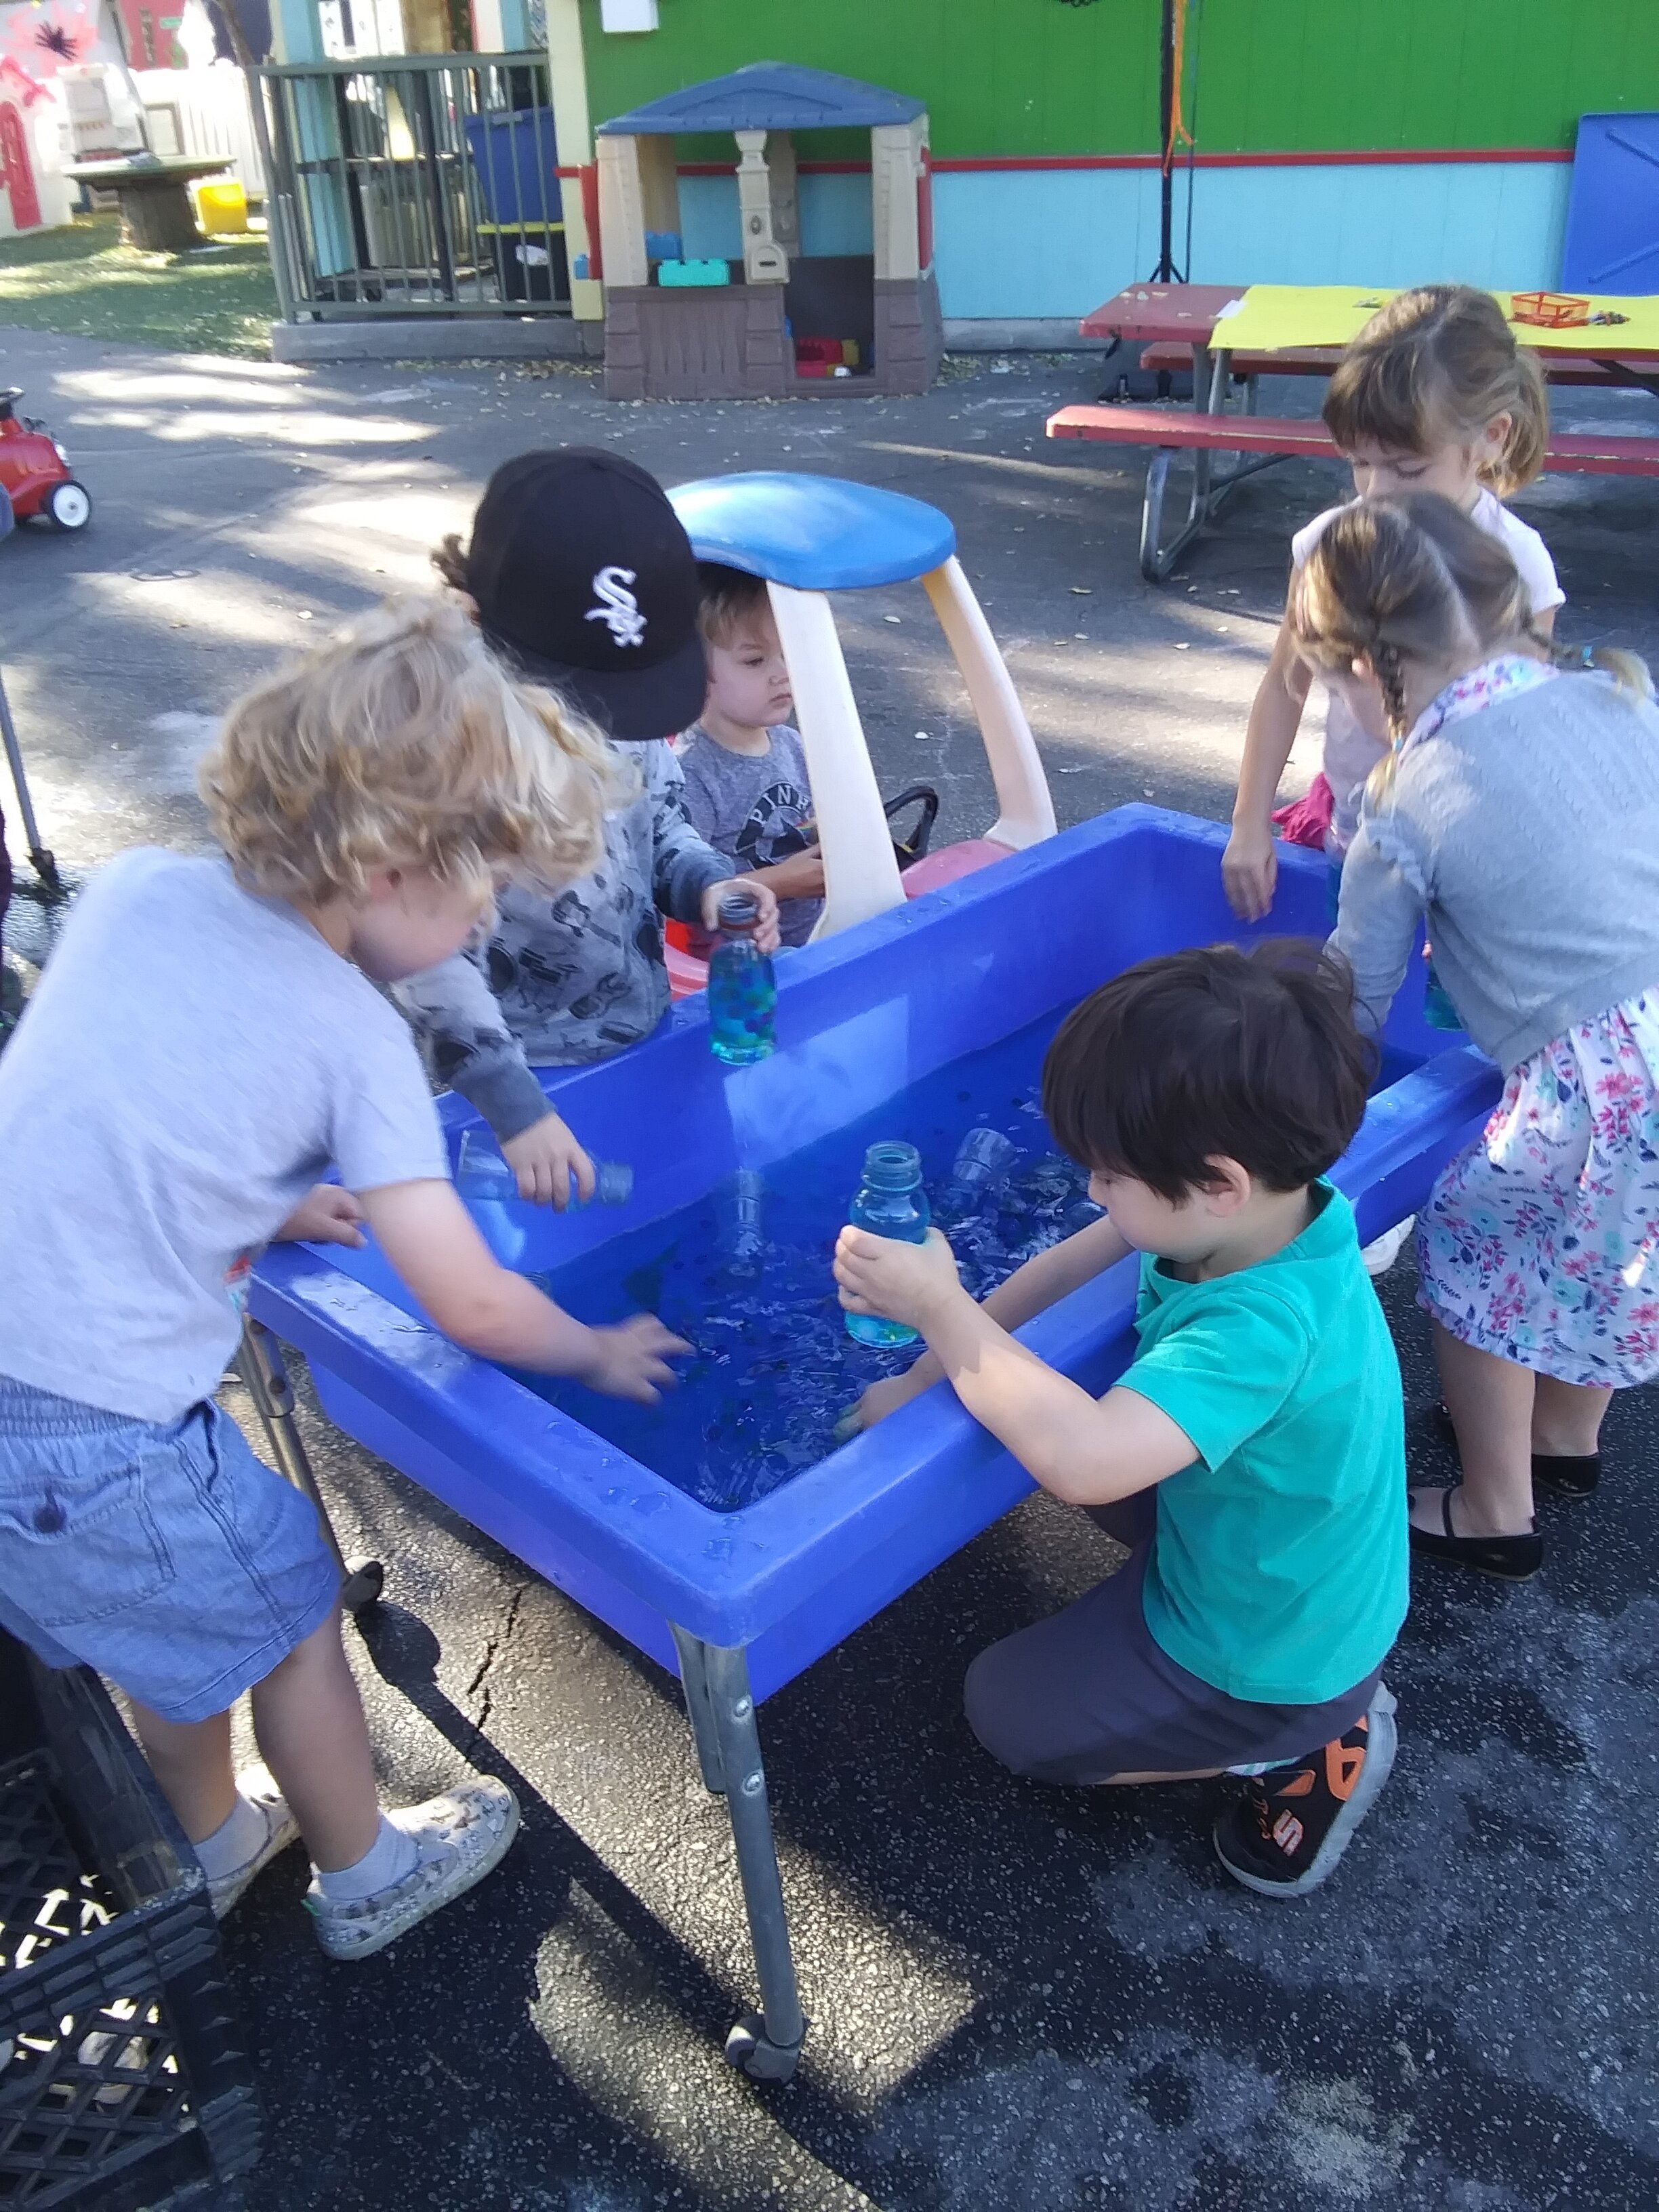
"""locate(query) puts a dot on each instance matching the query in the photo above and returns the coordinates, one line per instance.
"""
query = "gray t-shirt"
(193, 1061)
(756, 808)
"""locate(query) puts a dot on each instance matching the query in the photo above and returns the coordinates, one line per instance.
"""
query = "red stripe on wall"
(1390, 158)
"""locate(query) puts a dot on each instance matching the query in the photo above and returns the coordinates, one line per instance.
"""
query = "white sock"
(388, 1859)
(234, 1841)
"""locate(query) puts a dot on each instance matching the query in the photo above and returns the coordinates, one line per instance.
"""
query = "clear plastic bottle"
(983, 1160)
(890, 1202)
(1438, 1011)
(749, 1223)
(481, 1172)
(743, 992)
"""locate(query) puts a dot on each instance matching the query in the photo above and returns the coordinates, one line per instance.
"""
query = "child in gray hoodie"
(584, 579)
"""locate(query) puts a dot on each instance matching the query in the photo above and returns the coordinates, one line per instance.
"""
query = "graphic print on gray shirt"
(193, 1061)
(573, 975)
(757, 808)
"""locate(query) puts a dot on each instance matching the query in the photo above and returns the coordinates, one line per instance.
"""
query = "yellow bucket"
(222, 207)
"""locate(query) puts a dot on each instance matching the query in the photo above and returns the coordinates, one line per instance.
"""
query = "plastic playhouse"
(737, 1602)
(808, 536)
(782, 320)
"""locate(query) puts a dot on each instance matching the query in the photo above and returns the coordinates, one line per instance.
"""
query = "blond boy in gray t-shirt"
(206, 1041)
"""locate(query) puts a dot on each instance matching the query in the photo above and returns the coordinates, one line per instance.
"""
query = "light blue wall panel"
(1013, 244)
(835, 216)
(1499, 223)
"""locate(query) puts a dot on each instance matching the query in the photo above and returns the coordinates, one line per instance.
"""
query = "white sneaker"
(459, 1837)
(1380, 1254)
(282, 1829)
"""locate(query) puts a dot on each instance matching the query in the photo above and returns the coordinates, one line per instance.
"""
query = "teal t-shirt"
(1279, 1571)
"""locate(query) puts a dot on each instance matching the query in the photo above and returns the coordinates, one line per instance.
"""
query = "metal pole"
(694, 1681)
(765, 2044)
(260, 1362)
(44, 864)
(1165, 271)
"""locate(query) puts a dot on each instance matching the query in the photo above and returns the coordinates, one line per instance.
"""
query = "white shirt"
(1350, 753)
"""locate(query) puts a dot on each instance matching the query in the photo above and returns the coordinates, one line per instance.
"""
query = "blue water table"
(922, 992)
(806, 537)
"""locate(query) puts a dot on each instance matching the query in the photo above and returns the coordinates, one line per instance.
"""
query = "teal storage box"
(694, 272)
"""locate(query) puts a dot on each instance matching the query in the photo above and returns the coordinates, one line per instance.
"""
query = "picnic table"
(1205, 323)
(152, 196)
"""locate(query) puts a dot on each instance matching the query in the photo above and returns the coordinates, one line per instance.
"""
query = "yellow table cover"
(1273, 317)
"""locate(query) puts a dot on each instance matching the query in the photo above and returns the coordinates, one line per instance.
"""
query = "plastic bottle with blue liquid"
(743, 992)
(890, 1202)
(1438, 1011)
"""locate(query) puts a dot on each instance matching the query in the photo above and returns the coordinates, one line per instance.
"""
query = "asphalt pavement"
(1019, 1998)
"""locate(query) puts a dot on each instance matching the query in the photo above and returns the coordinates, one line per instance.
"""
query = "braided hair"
(1413, 579)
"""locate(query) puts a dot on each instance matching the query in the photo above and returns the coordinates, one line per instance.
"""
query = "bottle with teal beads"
(890, 1202)
(743, 992)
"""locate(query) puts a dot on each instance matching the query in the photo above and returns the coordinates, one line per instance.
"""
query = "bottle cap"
(892, 1167)
(740, 910)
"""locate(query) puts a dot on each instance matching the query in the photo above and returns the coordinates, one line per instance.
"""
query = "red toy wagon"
(35, 470)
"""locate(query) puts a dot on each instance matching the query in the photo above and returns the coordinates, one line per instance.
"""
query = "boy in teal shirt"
(1252, 1457)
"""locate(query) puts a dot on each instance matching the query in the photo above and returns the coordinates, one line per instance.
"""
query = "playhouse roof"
(768, 96)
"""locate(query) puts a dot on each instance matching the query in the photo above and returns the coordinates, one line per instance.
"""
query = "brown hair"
(403, 743)
(1251, 1056)
(1413, 579)
(1434, 367)
(730, 597)
(449, 559)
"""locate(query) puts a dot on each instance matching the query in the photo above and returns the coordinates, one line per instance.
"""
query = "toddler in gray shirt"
(746, 789)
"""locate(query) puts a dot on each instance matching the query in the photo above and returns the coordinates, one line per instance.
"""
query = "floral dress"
(1540, 1244)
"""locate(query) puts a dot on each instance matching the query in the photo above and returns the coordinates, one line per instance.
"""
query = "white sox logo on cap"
(618, 609)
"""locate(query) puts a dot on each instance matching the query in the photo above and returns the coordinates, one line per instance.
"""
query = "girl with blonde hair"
(1515, 810)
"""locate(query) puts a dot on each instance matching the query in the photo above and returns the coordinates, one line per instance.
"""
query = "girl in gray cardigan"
(1517, 811)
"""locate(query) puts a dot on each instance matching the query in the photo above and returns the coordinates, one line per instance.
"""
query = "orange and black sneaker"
(1291, 1825)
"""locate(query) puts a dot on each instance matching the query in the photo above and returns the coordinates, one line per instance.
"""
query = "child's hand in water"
(765, 932)
(325, 1215)
(886, 1396)
(545, 1156)
(905, 1283)
(631, 1360)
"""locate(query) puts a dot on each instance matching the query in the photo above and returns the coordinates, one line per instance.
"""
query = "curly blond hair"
(403, 743)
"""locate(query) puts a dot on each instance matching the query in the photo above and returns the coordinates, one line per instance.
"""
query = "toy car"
(806, 537)
(35, 470)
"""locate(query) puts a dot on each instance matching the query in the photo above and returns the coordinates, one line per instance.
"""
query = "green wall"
(1036, 76)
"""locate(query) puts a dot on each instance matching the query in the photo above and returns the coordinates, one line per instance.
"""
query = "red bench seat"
(1177, 427)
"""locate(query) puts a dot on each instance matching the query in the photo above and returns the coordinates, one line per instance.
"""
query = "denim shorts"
(168, 1558)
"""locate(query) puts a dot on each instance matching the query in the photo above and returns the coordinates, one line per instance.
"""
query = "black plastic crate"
(123, 2063)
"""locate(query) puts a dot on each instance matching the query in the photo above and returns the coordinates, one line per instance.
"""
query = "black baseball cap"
(584, 578)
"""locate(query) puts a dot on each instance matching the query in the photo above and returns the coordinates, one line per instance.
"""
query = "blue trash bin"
(517, 160)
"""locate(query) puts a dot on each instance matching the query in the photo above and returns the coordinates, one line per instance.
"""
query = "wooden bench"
(1260, 440)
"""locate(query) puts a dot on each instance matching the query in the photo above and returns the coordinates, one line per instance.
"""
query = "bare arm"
(429, 1238)
(1084, 1450)
(1248, 868)
(1029, 1291)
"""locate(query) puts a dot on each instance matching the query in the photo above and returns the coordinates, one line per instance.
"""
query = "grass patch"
(82, 281)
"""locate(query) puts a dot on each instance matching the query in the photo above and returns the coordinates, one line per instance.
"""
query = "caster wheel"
(69, 506)
(752, 2051)
(364, 1581)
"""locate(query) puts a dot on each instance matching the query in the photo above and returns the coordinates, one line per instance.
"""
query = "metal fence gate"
(416, 185)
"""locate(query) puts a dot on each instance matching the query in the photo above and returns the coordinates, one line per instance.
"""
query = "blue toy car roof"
(814, 533)
(768, 96)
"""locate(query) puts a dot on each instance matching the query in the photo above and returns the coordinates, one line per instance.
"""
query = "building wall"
(1059, 103)
(1036, 76)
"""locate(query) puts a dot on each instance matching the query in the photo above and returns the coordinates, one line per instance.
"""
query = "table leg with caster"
(765, 2044)
(259, 1362)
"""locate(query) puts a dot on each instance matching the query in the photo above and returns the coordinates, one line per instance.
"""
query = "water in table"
(744, 1275)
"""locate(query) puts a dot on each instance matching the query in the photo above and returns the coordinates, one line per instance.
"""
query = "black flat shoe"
(1510, 1559)
(1563, 1474)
